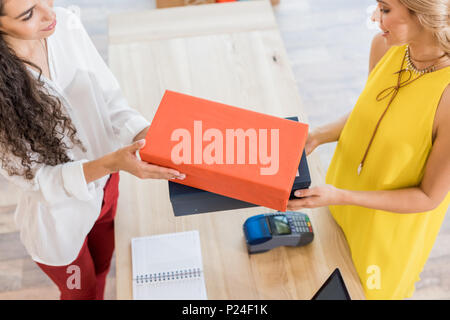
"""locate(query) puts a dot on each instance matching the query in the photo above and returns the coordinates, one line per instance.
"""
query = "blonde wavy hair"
(433, 15)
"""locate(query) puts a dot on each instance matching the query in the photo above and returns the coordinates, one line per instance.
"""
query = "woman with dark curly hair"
(65, 133)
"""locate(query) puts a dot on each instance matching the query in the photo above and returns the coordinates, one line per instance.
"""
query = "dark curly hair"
(32, 121)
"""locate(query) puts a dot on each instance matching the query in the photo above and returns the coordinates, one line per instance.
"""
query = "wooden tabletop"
(230, 53)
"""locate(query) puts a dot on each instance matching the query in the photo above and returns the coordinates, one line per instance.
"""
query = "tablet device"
(333, 289)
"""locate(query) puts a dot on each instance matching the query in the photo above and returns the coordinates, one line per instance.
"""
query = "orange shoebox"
(227, 150)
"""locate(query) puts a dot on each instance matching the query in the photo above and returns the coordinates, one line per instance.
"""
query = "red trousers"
(85, 277)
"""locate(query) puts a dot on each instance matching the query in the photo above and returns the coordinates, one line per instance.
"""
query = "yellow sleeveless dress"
(389, 250)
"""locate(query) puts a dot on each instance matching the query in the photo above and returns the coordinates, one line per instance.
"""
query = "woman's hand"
(312, 142)
(317, 197)
(125, 159)
(325, 134)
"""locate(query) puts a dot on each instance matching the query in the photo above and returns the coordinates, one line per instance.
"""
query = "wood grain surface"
(238, 62)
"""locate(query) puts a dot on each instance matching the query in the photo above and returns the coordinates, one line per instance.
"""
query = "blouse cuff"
(131, 128)
(75, 182)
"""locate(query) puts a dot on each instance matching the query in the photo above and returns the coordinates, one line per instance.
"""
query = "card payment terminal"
(270, 230)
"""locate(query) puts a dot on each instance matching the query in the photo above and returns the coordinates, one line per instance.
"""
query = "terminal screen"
(280, 225)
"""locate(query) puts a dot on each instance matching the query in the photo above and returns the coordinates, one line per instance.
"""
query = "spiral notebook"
(168, 267)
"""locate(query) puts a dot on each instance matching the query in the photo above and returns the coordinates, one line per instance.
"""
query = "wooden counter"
(230, 53)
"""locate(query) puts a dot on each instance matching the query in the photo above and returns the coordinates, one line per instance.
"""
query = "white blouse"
(57, 209)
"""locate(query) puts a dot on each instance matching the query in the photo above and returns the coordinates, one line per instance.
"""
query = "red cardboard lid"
(227, 150)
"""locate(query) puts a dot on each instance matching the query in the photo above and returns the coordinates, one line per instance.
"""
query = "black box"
(188, 200)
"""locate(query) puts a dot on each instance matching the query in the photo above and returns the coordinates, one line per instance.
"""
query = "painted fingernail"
(181, 176)
(298, 193)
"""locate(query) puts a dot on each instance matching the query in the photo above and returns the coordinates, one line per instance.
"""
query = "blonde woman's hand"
(320, 196)
(312, 142)
(125, 159)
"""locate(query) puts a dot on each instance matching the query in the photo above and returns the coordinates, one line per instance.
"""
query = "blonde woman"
(389, 180)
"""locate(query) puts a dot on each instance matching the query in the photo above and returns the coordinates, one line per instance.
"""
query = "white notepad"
(168, 267)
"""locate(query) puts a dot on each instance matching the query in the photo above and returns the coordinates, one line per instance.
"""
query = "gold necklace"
(412, 67)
